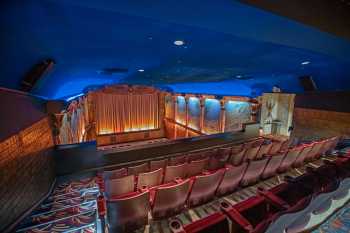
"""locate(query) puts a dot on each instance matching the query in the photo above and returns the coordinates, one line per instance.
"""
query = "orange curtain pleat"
(122, 113)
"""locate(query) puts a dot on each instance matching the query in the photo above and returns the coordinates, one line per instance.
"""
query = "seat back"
(156, 164)
(173, 172)
(289, 159)
(272, 165)
(170, 200)
(231, 179)
(114, 174)
(193, 156)
(135, 170)
(219, 159)
(204, 187)
(264, 149)
(115, 187)
(150, 179)
(237, 155)
(254, 171)
(303, 154)
(196, 167)
(177, 160)
(128, 214)
(276, 147)
(209, 153)
(251, 153)
(315, 152)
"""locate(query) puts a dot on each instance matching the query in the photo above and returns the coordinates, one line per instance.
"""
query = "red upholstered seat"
(170, 200)
(231, 179)
(113, 174)
(276, 147)
(204, 187)
(315, 152)
(303, 154)
(115, 187)
(196, 167)
(252, 149)
(198, 155)
(150, 179)
(272, 165)
(128, 214)
(264, 149)
(177, 160)
(173, 172)
(219, 159)
(237, 155)
(135, 170)
(291, 156)
(253, 172)
(216, 222)
(156, 164)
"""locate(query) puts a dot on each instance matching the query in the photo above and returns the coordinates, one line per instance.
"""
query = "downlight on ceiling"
(179, 42)
(305, 63)
(141, 70)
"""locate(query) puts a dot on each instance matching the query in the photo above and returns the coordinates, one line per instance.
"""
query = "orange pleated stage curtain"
(124, 113)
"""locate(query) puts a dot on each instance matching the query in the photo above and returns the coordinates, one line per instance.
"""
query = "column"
(222, 115)
(201, 116)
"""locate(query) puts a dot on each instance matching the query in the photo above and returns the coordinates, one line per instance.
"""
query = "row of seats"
(288, 207)
(184, 189)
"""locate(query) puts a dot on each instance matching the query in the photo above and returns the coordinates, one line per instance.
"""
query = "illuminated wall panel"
(169, 107)
(212, 116)
(181, 110)
(194, 113)
(237, 112)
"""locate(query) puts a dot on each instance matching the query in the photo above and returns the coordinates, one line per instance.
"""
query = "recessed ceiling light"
(141, 70)
(179, 42)
(238, 76)
(305, 63)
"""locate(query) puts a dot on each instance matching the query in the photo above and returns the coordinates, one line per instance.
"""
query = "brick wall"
(26, 170)
(313, 123)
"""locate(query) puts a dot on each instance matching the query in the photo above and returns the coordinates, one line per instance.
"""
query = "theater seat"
(231, 179)
(315, 152)
(264, 149)
(291, 156)
(177, 160)
(115, 187)
(150, 179)
(173, 172)
(156, 164)
(237, 155)
(135, 170)
(303, 154)
(196, 167)
(170, 200)
(253, 172)
(195, 156)
(118, 173)
(216, 222)
(252, 149)
(219, 159)
(128, 214)
(204, 187)
(272, 165)
(276, 147)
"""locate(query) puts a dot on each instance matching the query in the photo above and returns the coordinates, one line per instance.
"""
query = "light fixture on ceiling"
(238, 76)
(305, 63)
(179, 42)
(141, 70)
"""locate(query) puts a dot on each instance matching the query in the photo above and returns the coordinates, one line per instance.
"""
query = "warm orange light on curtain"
(123, 113)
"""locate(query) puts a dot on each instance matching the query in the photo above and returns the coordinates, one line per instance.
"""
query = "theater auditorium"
(227, 116)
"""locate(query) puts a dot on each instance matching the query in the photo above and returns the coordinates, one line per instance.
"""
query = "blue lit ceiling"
(229, 48)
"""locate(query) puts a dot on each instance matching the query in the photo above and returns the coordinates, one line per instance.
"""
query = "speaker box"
(308, 83)
(36, 72)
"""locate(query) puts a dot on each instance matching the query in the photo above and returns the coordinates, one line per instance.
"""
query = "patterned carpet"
(338, 223)
(71, 207)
